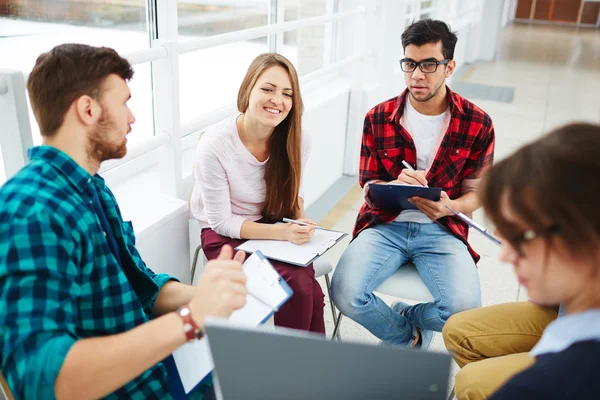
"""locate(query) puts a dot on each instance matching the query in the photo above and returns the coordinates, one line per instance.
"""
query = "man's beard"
(428, 96)
(99, 148)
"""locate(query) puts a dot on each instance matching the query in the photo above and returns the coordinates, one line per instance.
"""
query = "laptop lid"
(267, 363)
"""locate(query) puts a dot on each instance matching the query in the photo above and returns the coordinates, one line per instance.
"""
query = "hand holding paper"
(433, 209)
(221, 289)
(266, 293)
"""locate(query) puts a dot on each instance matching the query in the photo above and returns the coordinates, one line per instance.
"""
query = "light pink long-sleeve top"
(229, 184)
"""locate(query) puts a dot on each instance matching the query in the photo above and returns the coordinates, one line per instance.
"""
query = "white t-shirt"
(229, 182)
(425, 131)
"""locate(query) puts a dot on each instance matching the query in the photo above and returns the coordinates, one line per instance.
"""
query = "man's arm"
(39, 284)
(172, 295)
(96, 367)
(480, 159)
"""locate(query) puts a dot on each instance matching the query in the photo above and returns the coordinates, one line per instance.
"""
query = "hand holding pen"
(409, 176)
(298, 231)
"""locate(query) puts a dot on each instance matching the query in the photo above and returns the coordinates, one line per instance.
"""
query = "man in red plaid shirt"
(449, 142)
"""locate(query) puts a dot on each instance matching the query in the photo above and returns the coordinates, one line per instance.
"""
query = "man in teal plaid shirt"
(81, 314)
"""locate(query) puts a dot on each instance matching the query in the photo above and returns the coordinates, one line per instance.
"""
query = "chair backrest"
(4, 389)
(193, 179)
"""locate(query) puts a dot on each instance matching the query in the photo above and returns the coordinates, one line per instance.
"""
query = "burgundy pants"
(304, 310)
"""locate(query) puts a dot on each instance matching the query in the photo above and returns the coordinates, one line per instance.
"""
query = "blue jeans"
(442, 260)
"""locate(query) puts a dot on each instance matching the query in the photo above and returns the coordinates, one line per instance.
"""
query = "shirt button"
(385, 153)
(89, 180)
(456, 151)
(90, 202)
(104, 233)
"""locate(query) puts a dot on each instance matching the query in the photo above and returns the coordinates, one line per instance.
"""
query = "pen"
(295, 221)
(410, 168)
(407, 165)
(475, 225)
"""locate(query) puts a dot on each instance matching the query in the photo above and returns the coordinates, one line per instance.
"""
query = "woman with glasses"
(248, 176)
(548, 220)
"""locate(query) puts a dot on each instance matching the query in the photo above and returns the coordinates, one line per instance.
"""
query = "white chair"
(405, 283)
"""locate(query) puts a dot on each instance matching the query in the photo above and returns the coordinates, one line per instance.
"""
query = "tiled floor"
(555, 72)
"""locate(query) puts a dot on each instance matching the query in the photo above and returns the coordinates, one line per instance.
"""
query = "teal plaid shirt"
(59, 280)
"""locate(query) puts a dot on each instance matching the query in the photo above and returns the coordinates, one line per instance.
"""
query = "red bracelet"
(190, 328)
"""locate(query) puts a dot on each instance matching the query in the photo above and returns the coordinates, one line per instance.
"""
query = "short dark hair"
(430, 31)
(66, 73)
(553, 180)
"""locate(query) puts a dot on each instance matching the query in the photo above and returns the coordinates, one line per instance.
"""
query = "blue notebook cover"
(395, 197)
(175, 385)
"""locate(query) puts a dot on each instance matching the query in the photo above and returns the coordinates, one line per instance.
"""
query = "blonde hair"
(284, 168)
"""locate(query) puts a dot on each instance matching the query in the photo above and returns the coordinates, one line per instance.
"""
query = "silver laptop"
(278, 364)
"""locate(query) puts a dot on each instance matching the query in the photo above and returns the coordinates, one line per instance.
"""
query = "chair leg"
(336, 329)
(194, 263)
(336, 319)
(328, 284)
(451, 396)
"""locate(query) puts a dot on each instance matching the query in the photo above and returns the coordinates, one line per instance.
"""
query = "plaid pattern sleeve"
(481, 155)
(128, 235)
(370, 166)
(465, 152)
(39, 274)
(59, 280)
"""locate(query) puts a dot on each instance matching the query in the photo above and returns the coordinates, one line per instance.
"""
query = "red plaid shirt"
(467, 149)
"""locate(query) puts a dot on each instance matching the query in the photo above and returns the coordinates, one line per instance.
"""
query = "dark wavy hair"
(430, 31)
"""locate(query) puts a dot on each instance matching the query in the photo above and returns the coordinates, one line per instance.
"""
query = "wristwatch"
(190, 328)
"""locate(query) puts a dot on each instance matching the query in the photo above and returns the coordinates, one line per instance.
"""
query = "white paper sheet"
(322, 240)
(194, 360)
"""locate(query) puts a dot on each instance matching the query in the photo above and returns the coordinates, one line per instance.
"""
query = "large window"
(31, 27)
(306, 48)
(210, 78)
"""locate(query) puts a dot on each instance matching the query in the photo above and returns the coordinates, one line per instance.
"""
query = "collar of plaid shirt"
(58, 273)
(466, 150)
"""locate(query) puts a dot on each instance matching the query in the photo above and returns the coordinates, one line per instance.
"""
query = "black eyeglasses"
(427, 67)
(518, 240)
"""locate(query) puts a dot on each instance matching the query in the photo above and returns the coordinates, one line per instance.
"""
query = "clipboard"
(290, 253)
(191, 365)
(394, 197)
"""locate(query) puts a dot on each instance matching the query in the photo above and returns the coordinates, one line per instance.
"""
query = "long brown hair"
(284, 168)
(64, 74)
(555, 180)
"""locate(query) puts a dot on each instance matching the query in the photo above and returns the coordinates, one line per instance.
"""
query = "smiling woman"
(248, 175)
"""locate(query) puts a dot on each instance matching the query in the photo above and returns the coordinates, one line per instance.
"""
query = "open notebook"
(192, 363)
(301, 255)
